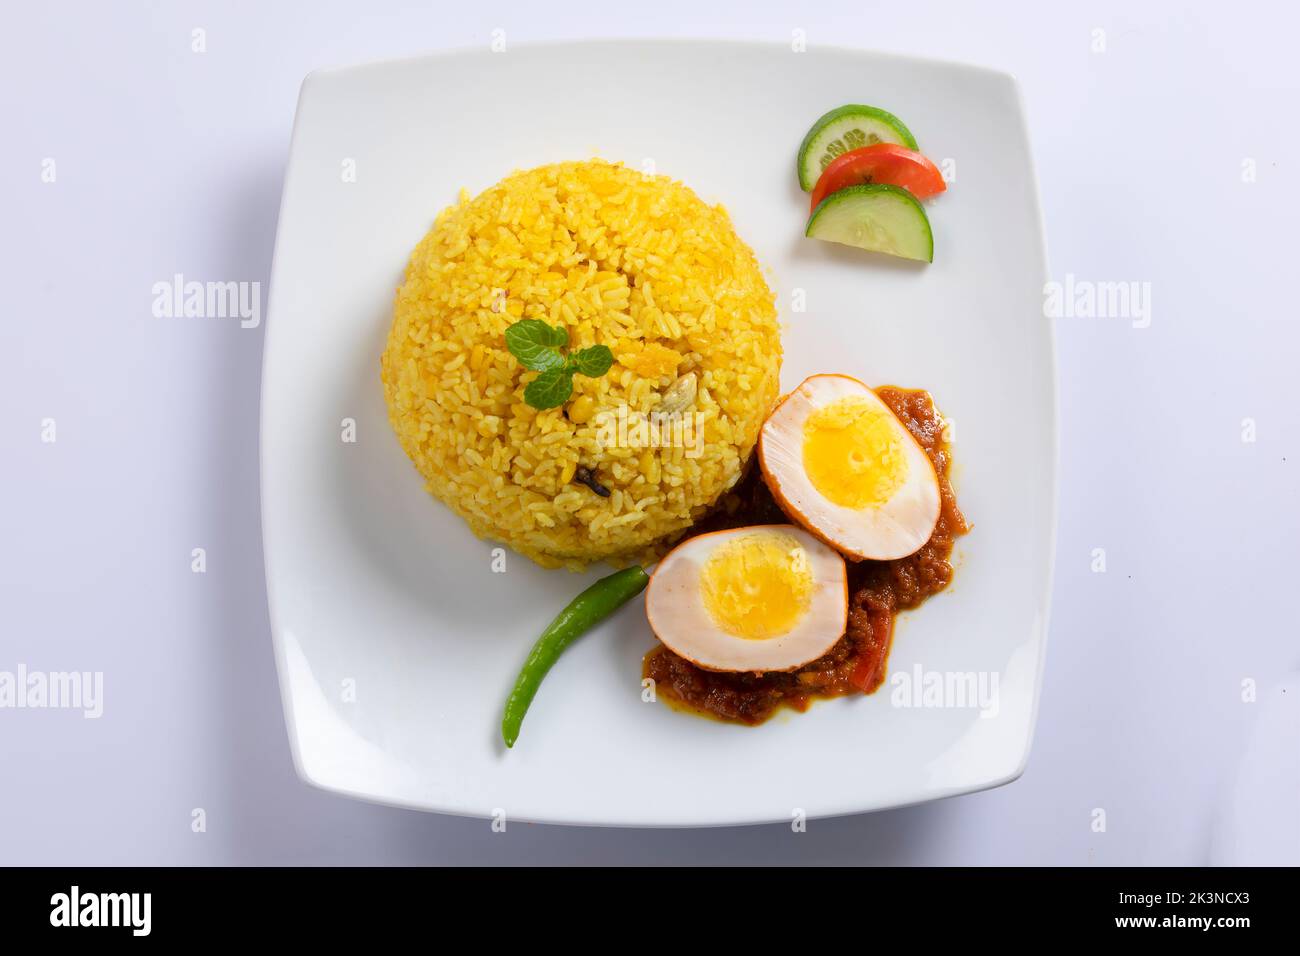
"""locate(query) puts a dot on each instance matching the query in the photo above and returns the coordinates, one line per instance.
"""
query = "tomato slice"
(880, 163)
(870, 670)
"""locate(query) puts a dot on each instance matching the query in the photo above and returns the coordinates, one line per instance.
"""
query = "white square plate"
(395, 640)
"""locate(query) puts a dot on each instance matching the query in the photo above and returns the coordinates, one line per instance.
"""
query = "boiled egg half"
(762, 598)
(839, 462)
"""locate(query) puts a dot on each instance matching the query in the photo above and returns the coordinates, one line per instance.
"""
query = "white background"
(170, 161)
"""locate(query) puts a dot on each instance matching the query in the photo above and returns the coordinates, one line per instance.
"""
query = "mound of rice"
(636, 262)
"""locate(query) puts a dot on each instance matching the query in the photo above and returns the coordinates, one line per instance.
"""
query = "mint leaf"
(592, 362)
(537, 347)
(536, 344)
(551, 389)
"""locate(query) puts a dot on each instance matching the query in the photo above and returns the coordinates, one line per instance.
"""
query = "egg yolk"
(757, 586)
(853, 453)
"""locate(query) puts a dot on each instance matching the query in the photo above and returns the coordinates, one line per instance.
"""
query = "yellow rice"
(636, 262)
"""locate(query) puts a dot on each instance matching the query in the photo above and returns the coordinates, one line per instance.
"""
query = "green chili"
(583, 613)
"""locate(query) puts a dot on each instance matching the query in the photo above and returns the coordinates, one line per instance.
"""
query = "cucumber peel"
(845, 128)
(876, 217)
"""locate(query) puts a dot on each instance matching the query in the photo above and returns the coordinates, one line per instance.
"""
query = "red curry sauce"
(877, 590)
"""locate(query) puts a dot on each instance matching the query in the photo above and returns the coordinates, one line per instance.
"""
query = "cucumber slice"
(877, 217)
(840, 130)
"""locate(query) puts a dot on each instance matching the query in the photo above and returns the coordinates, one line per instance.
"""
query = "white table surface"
(170, 161)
